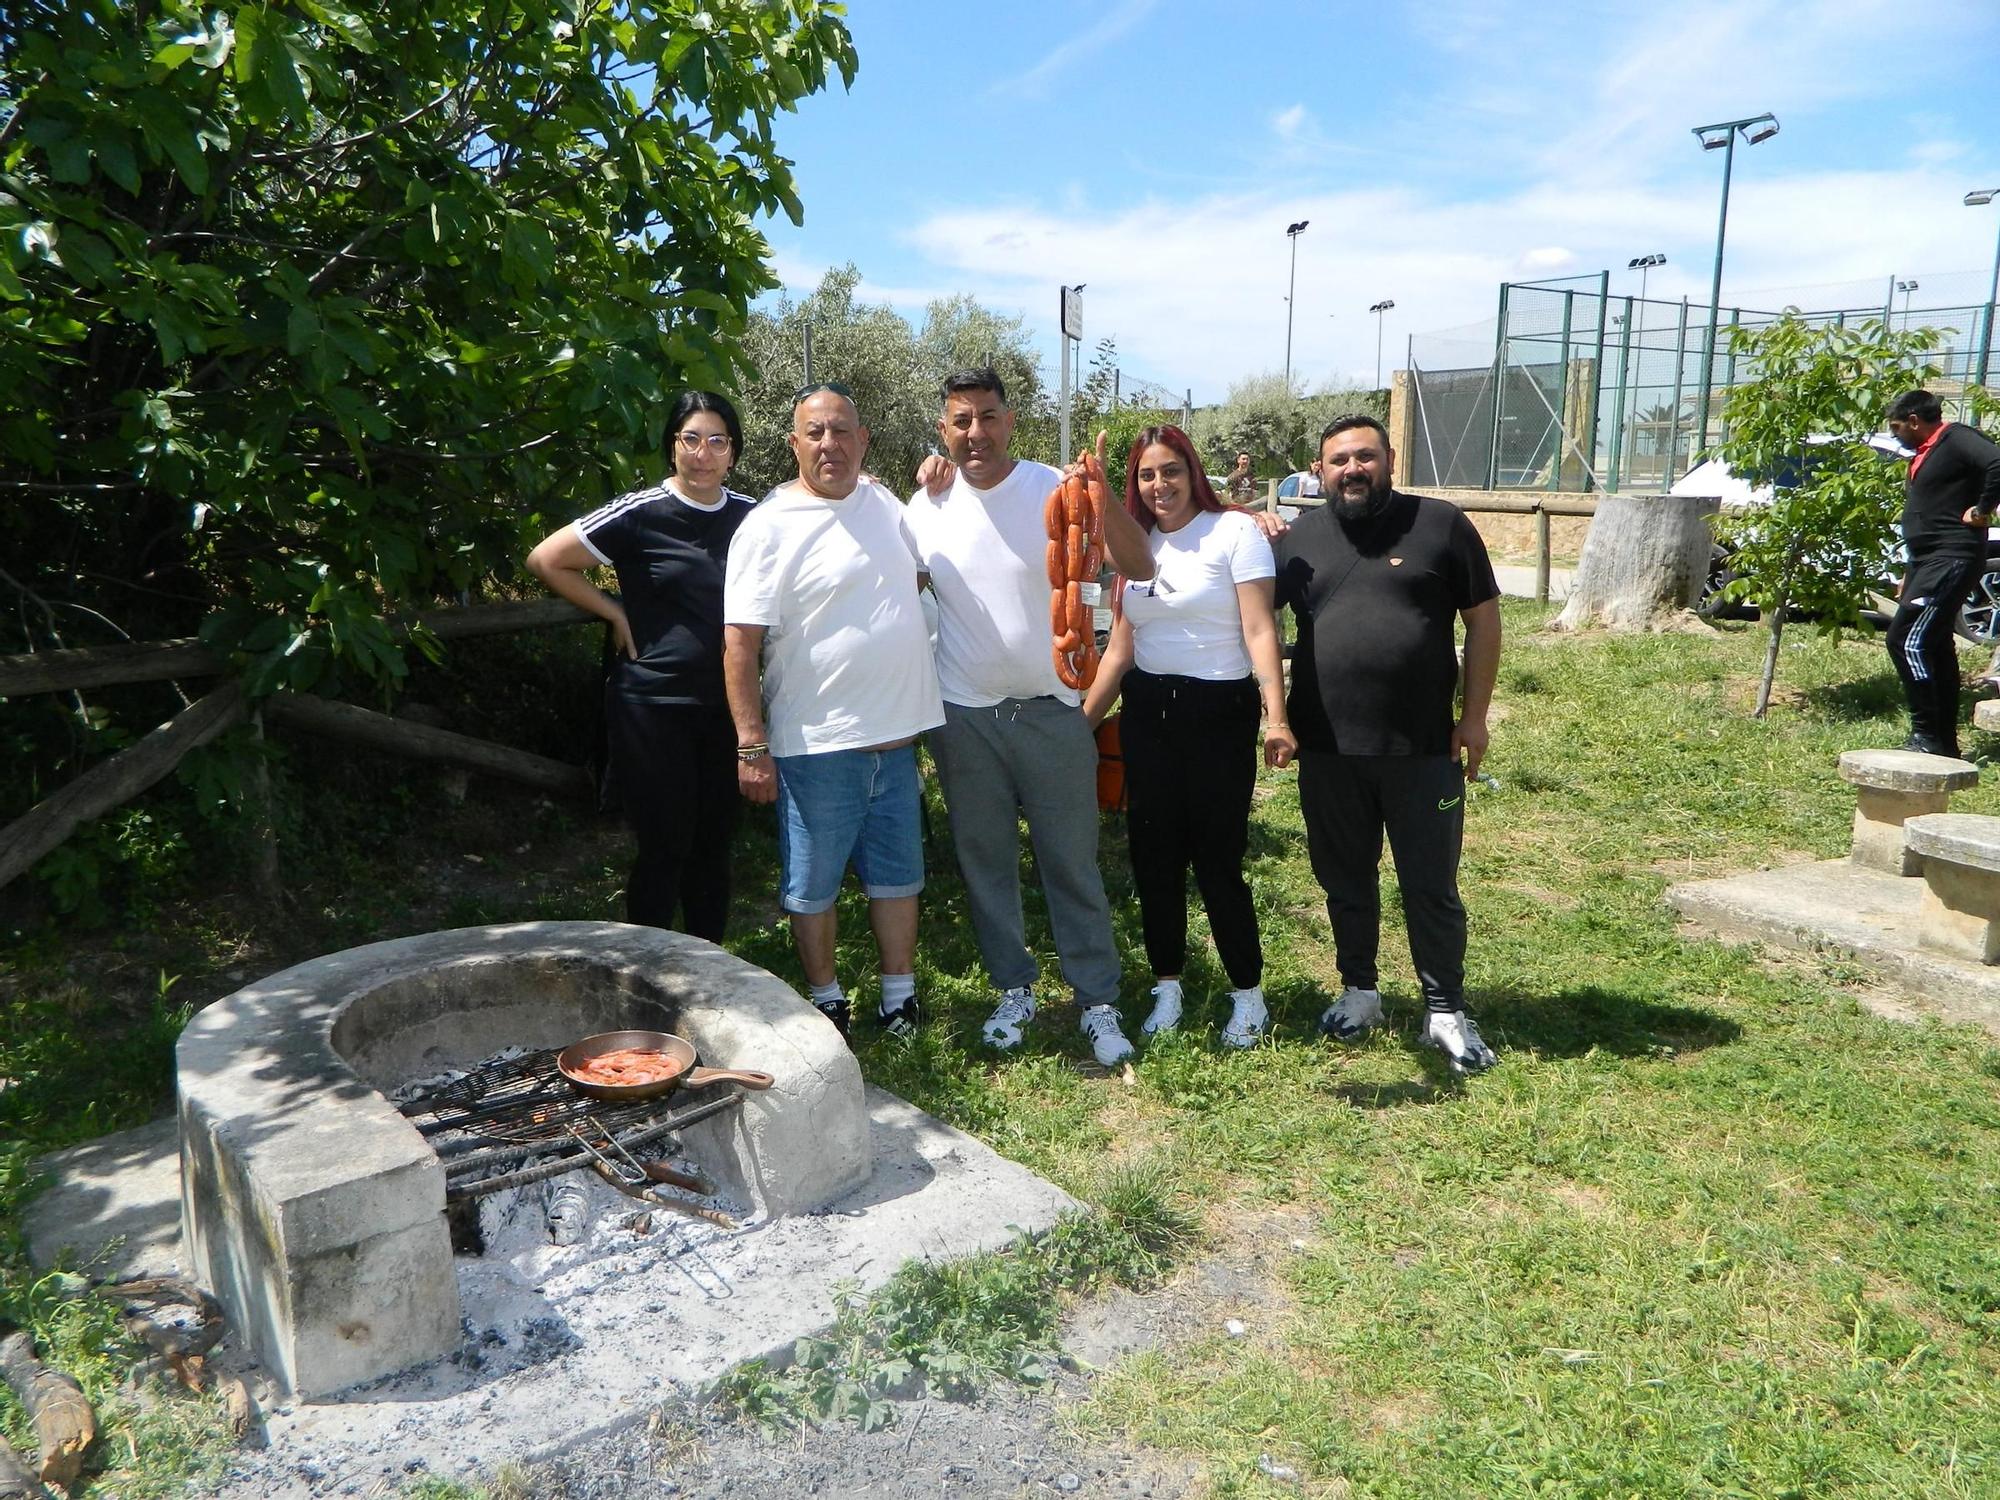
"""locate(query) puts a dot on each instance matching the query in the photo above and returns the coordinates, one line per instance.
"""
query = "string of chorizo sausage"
(1074, 517)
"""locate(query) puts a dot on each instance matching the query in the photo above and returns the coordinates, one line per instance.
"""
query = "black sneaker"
(1924, 744)
(838, 1012)
(903, 1021)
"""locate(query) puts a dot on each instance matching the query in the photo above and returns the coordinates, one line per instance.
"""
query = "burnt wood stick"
(647, 1195)
(459, 1190)
(177, 1344)
(65, 1425)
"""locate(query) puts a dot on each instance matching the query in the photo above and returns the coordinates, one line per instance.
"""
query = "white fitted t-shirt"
(1186, 621)
(847, 659)
(987, 554)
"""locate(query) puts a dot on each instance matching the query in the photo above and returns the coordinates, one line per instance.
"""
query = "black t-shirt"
(670, 558)
(1961, 471)
(1375, 668)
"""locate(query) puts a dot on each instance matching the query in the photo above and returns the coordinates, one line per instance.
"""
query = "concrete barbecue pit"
(315, 1211)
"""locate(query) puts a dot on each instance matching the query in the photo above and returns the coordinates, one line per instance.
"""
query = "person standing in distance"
(1014, 742)
(1375, 579)
(1949, 499)
(822, 588)
(666, 717)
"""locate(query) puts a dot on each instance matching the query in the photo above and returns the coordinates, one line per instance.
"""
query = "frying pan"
(691, 1073)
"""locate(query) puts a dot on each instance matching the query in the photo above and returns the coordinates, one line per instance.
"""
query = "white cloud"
(1288, 122)
(1072, 50)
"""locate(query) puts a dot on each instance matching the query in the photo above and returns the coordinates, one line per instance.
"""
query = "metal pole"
(1715, 292)
(1062, 422)
(1291, 293)
(1541, 555)
(1992, 297)
(1674, 412)
(1597, 375)
(1618, 405)
(1379, 319)
(1562, 394)
(1729, 370)
(1117, 376)
(1187, 408)
(1499, 391)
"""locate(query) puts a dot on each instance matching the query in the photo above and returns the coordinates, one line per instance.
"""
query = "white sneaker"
(1453, 1034)
(1015, 1010)
(1247, 1018)
(1166, 1008)
(1107, 1037)
(1352, 1015)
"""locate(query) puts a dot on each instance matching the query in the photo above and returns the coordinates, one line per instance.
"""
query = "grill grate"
(526, 1103)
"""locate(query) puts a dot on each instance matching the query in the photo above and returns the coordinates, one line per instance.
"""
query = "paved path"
(1520, 582)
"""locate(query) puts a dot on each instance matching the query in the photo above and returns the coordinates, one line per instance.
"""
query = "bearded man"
(1376, 580)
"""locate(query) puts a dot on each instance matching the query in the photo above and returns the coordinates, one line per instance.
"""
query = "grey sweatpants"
(1031, 756)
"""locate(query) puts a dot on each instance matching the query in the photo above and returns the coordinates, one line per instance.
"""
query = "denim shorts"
(848, 805)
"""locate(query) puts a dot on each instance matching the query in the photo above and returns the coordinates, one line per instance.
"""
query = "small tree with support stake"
(1801, 426)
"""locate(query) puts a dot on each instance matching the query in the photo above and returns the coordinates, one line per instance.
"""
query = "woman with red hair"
(1194, 654)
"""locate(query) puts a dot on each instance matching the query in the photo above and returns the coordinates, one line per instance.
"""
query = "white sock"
(826, 995)
(896, 988)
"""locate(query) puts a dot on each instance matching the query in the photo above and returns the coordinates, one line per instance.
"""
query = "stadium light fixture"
(1379, 309)
(1721, 136)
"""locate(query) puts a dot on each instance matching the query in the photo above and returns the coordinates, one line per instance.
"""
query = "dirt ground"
(1011, 1442)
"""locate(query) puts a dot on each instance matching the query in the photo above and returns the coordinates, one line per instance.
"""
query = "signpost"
(1072, 329)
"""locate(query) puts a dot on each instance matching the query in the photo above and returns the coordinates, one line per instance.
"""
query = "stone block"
(1891, 787)
(1960, 913)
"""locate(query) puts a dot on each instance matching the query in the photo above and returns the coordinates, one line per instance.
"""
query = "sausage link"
(1079, 612)
(1073, 554)
(1067, 642)
(1053, 520)
(1058, 565)
(1086, 664)
(1075, 497)
(1059, 609)
(1065, 673)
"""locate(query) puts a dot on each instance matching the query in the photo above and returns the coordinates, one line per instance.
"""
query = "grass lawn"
(1712, 1228)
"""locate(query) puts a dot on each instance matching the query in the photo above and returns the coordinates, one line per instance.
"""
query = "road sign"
(1072, 313)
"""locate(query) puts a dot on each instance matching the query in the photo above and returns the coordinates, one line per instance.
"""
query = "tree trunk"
(1777, 626)
(1645, 558)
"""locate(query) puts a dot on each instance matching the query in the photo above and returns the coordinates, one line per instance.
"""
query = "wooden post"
(264, 822)
(1541, 555)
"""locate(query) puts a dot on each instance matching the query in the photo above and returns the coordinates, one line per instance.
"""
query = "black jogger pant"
(676, 770)
(1348, 801)
(1921, 644)
(1190, 748)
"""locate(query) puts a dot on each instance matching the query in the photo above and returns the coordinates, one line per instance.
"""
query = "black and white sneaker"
(1356, 1013)
(903, 1021)
(838, 1012)
(1453, 1034)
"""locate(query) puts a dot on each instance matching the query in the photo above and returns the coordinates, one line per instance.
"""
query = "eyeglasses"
(817, 386)
(718, 442)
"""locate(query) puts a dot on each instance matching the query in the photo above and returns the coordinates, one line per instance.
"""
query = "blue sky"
(1156, 150)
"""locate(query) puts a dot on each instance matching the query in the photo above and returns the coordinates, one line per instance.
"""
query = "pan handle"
(750, 1078)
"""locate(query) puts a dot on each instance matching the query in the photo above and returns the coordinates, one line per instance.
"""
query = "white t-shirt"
(1186, 621)
(987, 554)
(847, 660)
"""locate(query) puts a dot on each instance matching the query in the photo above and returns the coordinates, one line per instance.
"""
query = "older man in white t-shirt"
(822, 588)
(1014, 742)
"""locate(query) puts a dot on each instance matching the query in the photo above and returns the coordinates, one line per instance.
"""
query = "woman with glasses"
(672, 742)
(1194, 652)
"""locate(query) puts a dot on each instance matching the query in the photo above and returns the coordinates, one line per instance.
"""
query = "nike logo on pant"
(1446, 804)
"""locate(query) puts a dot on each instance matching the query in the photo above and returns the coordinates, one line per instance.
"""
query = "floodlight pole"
(1380, 309)
(1979, 200)
(1292, 233)
(1701, 133)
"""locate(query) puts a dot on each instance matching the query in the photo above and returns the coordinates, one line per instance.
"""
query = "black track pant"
(1190, 748)
(1348, 801)
(1922, 647)
(676, 769)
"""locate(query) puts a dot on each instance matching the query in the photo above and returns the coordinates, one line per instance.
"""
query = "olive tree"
(1800, 425)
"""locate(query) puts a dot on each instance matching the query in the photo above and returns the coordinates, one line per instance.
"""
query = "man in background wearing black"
(1376, 581)
(1953, 487)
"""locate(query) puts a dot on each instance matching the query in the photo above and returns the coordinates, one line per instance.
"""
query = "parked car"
(1978, 621)
(1304, 482)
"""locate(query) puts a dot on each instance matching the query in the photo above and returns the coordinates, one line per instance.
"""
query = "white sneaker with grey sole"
(1166, 1008)
(1016, 1009)
(1353, 1015)
(1453, 1034)
(1107, 1037)
(1247, 1018)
